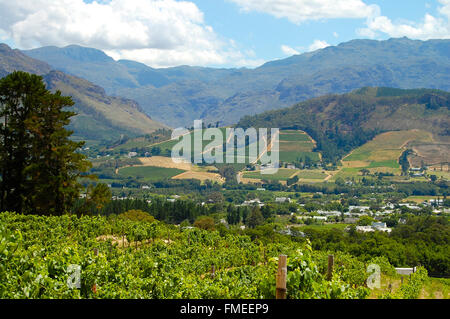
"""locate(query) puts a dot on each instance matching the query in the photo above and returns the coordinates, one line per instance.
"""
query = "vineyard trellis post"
(281, 277)
(330, 266)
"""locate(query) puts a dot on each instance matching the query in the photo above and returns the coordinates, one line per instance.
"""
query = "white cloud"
(298, 11)
(288, 50)
(336, 35)
(431, 27)
(318, 44)
(156, 32)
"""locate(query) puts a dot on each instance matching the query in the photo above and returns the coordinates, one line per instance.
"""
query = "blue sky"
(265, 34)
(219, 33)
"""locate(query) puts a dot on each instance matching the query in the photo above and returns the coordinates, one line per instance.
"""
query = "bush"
(204, 222)
(137, 215)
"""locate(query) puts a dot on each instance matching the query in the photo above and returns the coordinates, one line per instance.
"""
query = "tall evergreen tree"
(39, 163)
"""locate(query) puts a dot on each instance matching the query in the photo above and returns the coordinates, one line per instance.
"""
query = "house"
(378, 225)
(282, 200)
(253, 202)
(375, 226)
(145, 187)
(324, 218)
(360, 208)
(132, 154)
(261, 189)
(171, 200)
(329, 213)
(350, 220)
(290, 166)
(365, 229)
(290, 232)
(436, 202)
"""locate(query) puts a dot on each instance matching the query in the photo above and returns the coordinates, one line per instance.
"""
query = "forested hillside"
(339, 123)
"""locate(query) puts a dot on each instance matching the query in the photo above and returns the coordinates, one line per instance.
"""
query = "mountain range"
(99, 117)
(178, 95)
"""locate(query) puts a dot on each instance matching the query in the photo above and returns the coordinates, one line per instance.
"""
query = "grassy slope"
(104, 115)
(382, 153)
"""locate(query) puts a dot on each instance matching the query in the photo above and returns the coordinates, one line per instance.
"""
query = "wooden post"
(330, 266)
(213, 271)
(281, 277)
(95, 251)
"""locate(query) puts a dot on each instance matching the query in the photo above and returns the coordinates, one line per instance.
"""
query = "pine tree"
(40, 165)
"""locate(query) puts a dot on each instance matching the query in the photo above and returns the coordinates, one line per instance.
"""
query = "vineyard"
(119, 257)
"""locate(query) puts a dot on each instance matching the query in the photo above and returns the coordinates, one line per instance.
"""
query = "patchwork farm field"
(149, 173)
(294, 145)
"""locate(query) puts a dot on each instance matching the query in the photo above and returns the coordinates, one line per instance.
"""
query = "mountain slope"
(100, 117)
(11, 60)
(179, 95)
(340, 123)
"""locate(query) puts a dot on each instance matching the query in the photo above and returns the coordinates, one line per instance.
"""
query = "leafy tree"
(99, 195)
(340, 181)
(39, 164)
(365, 172)
(205, 222)
(365, 221)
(255, 218)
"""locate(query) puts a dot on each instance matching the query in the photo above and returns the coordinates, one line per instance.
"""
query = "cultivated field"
(161, 161)
(283, 174)
(203, 176)
(149, 173)
(382, 153)
(295, 145)
(189, 171)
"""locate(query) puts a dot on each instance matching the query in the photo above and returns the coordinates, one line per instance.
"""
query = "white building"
(329, 213)
(282, 200)
(253, 202)
(365, 229)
